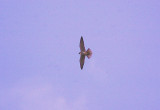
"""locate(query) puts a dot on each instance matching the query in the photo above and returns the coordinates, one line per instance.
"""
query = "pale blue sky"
(39, 60)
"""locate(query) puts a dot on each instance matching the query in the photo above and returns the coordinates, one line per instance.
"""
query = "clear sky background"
(39, 60)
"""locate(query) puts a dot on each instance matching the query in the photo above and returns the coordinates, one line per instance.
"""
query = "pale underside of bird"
(83, 53)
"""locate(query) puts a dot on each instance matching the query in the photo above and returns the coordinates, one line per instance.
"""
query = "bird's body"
(84, 53)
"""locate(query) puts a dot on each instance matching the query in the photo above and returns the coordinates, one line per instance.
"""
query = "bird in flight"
(83, 53)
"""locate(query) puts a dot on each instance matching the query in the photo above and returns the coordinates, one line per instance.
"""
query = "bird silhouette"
(83, 53)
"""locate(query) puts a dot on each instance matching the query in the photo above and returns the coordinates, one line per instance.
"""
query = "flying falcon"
(83, 53)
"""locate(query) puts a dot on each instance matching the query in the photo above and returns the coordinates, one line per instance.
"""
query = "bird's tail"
(89, 53)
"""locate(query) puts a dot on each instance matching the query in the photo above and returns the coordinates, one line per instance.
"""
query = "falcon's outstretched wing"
(81, 45)
(82, 59)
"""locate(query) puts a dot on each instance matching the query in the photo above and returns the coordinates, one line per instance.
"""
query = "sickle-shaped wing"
(81, 45)
(82, 59)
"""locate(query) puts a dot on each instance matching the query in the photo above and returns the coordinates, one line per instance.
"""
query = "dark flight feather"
(82, 59)
(82, 47)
